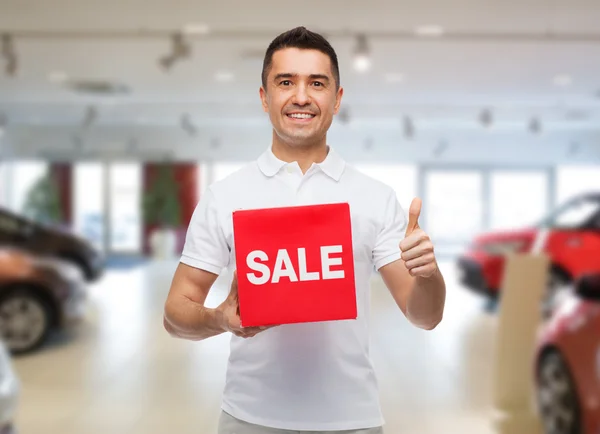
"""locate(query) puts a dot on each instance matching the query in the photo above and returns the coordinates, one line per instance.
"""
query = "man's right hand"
(229, 316)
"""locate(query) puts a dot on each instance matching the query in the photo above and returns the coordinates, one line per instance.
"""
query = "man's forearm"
(425, 304)
(186, 319)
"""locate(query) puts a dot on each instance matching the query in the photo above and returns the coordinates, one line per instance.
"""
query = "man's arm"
(185, 315)
(421, 299)
(415, 281)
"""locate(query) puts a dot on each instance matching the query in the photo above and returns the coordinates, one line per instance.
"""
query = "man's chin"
(299, 140)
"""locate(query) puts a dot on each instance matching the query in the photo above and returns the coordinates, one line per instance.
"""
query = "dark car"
(37, 295)
(47, 240)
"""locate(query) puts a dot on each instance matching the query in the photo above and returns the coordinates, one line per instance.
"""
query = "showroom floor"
(120, 372)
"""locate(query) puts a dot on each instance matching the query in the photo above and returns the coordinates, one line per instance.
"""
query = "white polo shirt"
(311, 376)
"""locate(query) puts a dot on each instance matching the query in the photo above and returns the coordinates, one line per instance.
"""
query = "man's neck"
(304, 155)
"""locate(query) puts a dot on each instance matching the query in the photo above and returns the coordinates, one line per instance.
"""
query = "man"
(312, 377)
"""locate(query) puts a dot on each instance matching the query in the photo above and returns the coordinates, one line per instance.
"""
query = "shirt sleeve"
(391, 233)
(205, 243)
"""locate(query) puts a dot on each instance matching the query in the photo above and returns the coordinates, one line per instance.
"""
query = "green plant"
(161, 200)
(43, 202)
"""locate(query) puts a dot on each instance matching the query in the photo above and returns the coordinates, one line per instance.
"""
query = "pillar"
(186, 177)
(62, 174)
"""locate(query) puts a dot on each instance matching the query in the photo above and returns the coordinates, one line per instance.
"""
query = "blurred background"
(116, 115)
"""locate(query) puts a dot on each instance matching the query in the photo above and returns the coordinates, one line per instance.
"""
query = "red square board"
(295, 264)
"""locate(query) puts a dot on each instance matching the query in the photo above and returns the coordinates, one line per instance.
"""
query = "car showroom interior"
(116, 116)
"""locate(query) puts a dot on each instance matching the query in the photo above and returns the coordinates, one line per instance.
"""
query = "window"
(24, 174)
(454, 209)
(517, 198)
(575, 214)
(401, 177)
(4, 183)
(88, 190)
(125, 207)
(575, 180)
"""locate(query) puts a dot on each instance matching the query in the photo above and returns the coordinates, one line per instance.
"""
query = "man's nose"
(301, 97)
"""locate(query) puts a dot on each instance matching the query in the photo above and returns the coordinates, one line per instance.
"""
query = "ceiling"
(500, 55)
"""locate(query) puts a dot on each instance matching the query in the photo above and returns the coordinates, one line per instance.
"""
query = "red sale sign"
(295, 264)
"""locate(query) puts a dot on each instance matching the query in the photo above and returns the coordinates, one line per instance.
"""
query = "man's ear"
(338, 100)
(263, 97)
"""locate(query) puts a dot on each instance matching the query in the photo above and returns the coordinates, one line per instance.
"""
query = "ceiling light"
(563, 80)
(393, 77)
(196, 29)
(362, 63)
(180, 49)
(362, 58)
(224, 76)
(58, 77)
(429, 30)
(7, 51)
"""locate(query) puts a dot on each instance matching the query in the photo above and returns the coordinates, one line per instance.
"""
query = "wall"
(356, 143)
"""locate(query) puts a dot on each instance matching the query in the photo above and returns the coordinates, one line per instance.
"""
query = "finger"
(413, 215)
(423, 271)
(413, 240)
(428, 258)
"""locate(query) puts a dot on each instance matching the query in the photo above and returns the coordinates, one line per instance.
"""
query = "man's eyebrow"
(291, 75)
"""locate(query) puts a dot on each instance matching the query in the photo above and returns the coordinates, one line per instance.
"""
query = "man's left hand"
(417, 248)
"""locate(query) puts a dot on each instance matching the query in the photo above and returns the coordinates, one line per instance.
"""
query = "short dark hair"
(302, 38)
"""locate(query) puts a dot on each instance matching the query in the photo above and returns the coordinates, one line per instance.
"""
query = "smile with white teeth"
(301, 115)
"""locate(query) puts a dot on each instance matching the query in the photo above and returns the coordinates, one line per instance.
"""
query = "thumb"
(413, 215)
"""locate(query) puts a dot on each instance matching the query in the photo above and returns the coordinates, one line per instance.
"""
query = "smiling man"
(311, 377)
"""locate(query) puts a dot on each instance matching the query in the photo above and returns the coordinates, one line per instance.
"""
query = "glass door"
(89, 202)
(125, 213)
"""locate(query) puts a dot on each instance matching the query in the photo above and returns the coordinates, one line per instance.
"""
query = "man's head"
(301, 86)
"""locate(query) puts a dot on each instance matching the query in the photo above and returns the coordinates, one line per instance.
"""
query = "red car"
(570, 236)
(567, 367)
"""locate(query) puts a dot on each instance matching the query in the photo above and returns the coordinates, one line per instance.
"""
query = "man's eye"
(318, 83)
(285, 82)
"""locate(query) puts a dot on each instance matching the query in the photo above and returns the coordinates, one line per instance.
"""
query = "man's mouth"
(300, 115)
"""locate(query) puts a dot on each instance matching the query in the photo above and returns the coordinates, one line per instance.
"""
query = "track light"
(344, 115)
(180, 49)
(485, 118)
(362, 58)
(90, 116)
(440, 148)
(574, 149)
(9, 54)
(188, 126)
(3, 123)
(408, 128)
(535, 125)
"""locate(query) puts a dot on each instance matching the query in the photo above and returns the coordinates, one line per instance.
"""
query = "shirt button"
(290, 169)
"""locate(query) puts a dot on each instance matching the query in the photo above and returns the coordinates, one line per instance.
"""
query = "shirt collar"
(333, 165)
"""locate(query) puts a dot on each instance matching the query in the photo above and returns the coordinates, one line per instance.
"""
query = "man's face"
(301, 96)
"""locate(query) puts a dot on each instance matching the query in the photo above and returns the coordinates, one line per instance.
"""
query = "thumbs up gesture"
(417, 248)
